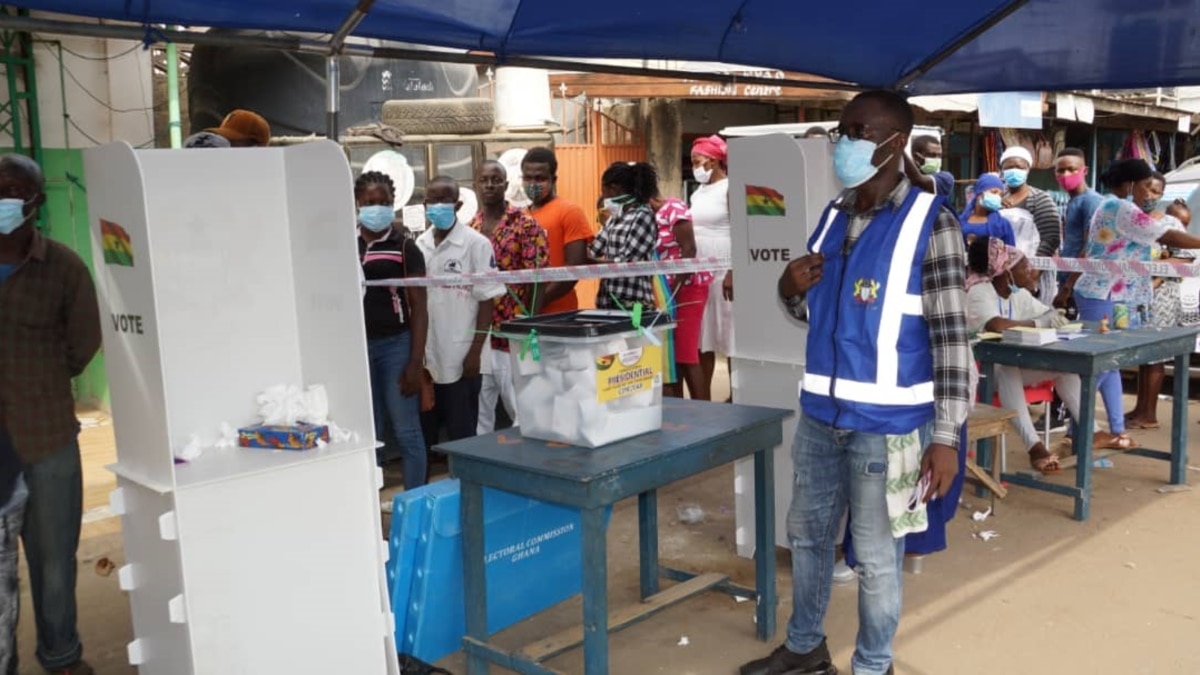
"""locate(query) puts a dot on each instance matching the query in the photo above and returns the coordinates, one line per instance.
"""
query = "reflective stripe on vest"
(897, 303)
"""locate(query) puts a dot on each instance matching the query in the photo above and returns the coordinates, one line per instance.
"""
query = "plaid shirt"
(520, 244)
(49, 332)
(943, 276)
(630, 237)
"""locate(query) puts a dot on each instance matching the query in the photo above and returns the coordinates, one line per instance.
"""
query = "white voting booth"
(768, 365)
(244, 275)
(769, 361)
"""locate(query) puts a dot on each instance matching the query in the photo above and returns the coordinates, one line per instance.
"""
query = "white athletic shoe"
(843, 574)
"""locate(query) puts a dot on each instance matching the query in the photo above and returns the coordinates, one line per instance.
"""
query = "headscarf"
(997, 226)
(712, 147)
(988, 181)
(1018, 152)
(1002, 258)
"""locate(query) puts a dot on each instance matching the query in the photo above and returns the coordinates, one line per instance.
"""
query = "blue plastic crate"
(533, 562)
(409, 521)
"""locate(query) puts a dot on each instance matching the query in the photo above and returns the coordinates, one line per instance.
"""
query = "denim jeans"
(388, 359)
(11, 515)
(833, 469)
(50, 532)
(1109, 382)
(456, 407)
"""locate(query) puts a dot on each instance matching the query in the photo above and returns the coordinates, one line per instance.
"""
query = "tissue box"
(295, 437)
(594, 379)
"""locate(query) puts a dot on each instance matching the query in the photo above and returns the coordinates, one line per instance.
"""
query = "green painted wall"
(66, 219)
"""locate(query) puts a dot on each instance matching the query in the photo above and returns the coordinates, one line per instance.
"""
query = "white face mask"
(702, 175)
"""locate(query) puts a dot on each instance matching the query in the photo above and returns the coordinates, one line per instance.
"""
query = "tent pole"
(333, 74)
(962, 41)
(1095, 164)
(174, 119)
(356, 16)
(333, 85)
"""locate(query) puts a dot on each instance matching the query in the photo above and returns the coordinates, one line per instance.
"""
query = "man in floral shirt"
(520, 244)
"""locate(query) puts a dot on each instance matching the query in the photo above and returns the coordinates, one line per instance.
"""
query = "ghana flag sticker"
(117, 248)
(763, 201)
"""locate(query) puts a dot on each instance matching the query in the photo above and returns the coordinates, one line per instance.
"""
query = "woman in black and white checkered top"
(630, 234)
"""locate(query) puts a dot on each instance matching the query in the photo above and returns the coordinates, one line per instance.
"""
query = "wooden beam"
(987, 481)
(621, 618)
(601, 85)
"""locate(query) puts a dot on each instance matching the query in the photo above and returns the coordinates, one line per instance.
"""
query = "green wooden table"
(1087, 357)
(696, 436)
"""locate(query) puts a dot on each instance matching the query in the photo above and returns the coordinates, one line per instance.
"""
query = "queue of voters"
(897, 282)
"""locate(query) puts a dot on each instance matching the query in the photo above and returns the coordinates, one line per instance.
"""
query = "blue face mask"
(991, 201)
(1015, 178)
(441, 216)
(852, 160)
(376, 218)
(12, 215)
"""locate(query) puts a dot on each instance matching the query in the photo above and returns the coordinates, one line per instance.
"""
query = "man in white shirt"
(459, 316)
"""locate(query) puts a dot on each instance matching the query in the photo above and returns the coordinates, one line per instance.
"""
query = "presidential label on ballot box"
(590, 377)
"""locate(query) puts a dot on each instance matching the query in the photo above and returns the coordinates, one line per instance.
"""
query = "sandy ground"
(1116, 594)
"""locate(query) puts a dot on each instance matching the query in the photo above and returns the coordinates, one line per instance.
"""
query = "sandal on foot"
(1044, 461)
(1141, 424)
(1107, 441)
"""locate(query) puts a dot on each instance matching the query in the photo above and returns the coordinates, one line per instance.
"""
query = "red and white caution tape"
(1117, 267)
(575, 273)
(693, 265)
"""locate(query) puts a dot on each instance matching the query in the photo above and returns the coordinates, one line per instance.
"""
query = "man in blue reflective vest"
(886, 386)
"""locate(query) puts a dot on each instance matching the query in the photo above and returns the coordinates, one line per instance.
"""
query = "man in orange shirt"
(568, 229)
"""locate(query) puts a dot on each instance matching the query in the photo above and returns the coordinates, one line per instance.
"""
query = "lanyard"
(1000, 306)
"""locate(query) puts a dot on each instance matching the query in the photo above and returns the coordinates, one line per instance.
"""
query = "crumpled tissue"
(287, 405)
(190, 452)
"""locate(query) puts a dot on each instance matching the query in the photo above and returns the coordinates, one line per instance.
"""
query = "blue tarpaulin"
(926, 47)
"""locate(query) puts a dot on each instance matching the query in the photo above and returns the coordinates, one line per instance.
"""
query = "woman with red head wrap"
(710, 221)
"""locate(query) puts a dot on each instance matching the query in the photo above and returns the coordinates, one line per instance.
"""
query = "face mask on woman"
(1015, 178)
(701, 174)
(376, 218)
(616, 205)
(991, 201)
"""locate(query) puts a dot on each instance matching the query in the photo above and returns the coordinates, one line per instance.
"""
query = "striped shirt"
(392, 256)
(1046, 217)
(943, 277)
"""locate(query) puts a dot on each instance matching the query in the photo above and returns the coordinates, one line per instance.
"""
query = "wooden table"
(695, 437)
(1088, 357)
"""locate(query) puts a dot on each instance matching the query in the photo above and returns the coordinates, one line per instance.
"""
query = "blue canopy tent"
(928, 47)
